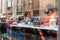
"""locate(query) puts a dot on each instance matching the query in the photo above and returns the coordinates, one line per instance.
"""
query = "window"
(30, 6)
(22, 5)
(9, 3)
(17, 5)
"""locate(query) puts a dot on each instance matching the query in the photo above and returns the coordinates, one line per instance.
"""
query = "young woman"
(36, 20)
(28, 17)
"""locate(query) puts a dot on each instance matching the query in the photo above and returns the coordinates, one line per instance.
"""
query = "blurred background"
(33, 12)
(17, 7)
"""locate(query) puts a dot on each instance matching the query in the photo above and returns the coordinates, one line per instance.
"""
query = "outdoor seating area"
(30, 25)
(29, 20)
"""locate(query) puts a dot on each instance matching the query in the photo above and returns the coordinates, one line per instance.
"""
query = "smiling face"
(31, 14)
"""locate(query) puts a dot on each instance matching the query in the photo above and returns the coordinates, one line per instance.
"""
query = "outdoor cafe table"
(31, 26)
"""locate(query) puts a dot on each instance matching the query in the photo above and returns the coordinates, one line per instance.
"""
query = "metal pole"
(59, 19)
(11, 27)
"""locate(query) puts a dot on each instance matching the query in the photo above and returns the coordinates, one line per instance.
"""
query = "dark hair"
(20, 18)
(47, 12)
(26, 13)
(52, 10)
(36, 13)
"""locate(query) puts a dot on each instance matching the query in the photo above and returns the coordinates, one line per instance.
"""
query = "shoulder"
(46, 17)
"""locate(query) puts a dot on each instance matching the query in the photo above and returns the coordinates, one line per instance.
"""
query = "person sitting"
(16, 32)
(46, 21)
(28, 17)
(46, 18)
(36, 20)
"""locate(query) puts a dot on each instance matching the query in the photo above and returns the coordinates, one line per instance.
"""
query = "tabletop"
(31, 26)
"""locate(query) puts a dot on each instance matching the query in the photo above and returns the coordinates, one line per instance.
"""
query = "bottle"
(52, 21)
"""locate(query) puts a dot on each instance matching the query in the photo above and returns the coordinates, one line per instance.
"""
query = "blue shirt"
(35, 19)
(16, 33)
(28, 19)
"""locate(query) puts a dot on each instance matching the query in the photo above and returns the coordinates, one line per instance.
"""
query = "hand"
(14, 23)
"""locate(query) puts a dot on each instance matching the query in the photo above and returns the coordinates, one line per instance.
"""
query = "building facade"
(15, 7)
